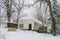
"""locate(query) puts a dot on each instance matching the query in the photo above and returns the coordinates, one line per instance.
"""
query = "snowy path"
(29, 35)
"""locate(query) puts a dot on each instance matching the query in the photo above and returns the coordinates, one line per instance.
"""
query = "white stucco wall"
(26, 23)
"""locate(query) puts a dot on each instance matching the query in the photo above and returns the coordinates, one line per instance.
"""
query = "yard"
(28, 35)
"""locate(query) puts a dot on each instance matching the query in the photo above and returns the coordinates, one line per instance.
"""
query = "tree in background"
(52, 12)
(52, 18)
(19, 6)
(56, 14)
(6, 5)
(8, 8)
(42, 11)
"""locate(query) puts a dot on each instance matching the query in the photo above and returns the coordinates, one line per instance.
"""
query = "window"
(21, 25)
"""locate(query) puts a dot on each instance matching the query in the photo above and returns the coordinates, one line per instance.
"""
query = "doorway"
(30, 26)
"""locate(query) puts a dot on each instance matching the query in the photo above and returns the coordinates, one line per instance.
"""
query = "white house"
(29, 23)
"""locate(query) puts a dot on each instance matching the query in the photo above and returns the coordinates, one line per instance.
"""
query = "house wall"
(26, 23)
(36, 26)
(31, 22)
(49, 28)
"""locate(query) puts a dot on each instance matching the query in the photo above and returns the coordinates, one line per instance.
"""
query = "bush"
(42, 29)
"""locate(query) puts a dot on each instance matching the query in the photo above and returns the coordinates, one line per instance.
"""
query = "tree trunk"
(53, 20)
(8, 6)
(18, 19)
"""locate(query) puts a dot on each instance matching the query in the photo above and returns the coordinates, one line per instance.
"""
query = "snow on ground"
(29, 35)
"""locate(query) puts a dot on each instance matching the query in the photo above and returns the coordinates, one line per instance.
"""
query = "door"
(30, 26)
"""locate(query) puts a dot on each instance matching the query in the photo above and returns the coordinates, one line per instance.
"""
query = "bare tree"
(42, 11)
(53, 20)
(19, 7)
(8, 4)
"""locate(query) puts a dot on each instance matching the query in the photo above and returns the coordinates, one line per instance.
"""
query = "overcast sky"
(58, 1)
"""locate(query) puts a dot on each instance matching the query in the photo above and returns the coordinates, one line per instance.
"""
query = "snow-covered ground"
(28, 35)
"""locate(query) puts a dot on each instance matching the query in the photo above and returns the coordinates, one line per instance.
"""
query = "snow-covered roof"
(31, 18)
(36, 20)
(27, 18)
(29, 2)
